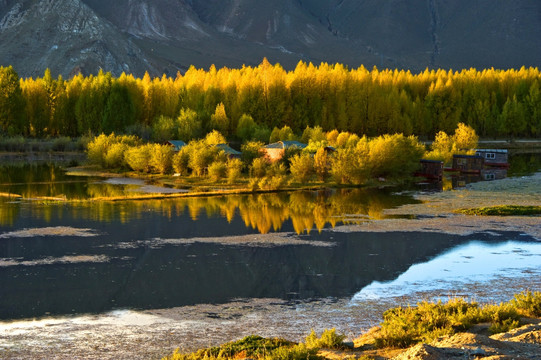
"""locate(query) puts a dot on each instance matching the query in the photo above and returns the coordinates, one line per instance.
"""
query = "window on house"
(490, 155)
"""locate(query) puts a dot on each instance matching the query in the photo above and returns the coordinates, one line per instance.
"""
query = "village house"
(275, 151)
(431, 169)
(468, 163)
(176, 144)
(494, 157)
(229, 151)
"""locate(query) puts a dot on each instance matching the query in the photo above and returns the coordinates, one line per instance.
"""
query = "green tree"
(219, 120)
(164, 128)
(12, 102)
(189, 125)
(119, 110)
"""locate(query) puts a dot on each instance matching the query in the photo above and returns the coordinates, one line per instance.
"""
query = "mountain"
(166, 36)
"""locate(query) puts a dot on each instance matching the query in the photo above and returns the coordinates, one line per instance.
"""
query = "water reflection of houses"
(431, 169)
(463, 179)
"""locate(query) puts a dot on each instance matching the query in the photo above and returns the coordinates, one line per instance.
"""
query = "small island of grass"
(503, 210)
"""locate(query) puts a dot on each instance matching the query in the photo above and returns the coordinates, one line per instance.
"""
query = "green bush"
(234, 169)
(180, 161)
(114, 158)
(62, 143)
(329, 339)
(138, 158)
(252, 347)
(217, 170)
(403, 327)
(161, 158)
(503, 210)
(259, 168)
(302, 167)
(528, 303)
(250, 151)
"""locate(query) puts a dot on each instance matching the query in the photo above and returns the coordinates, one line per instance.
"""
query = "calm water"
(70, 258)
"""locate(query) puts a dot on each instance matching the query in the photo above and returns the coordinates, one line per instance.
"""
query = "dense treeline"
(504, 103)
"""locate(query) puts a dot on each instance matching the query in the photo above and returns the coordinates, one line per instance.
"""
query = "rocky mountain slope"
(165, 36)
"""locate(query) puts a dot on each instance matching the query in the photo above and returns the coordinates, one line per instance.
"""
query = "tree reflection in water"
(263, 212)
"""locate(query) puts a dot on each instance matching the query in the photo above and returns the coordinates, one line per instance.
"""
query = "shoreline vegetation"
(325, 159)
(402, 328)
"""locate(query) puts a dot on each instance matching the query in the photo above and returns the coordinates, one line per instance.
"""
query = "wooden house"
(431, 169)
(468, 163)
(176, 144)
(229, 151)
(275, 151)
(494, 157)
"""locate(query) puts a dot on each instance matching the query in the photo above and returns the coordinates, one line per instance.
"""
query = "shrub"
(180, 161)
(528, 303)
(302, 167)
(97, 149)
(161, 158)
(200, 157)
(61, 143)
(329, 339)
(254, 347)
(217, 170)
(394, 155)
(234, 169)
(259, 168)
(138, 158)
(114, 158)
(321, 164)
(273, 182)
(405, 326)
(250, 150)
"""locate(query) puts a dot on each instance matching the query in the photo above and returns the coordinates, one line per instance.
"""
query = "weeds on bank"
(256, 347)
(404, 326)
(503, 210)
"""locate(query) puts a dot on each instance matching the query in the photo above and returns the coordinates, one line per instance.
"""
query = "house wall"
(274, 155)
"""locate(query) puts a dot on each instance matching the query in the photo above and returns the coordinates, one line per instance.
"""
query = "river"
(107, 278)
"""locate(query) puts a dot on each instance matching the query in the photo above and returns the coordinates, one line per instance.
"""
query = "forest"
(250, 102)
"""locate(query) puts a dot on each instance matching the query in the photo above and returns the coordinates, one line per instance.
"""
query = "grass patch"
(405, 326)
(503, 210)
(259, 348)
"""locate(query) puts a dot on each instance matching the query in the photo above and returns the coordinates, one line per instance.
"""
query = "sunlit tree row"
(500, 103)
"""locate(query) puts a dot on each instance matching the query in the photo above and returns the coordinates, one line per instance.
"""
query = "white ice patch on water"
(475, 262)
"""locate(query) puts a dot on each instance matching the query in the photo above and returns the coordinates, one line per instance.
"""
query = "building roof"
(501, 151)
(285, 145)
(468, 156)
(177, 144)
(228, 149)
